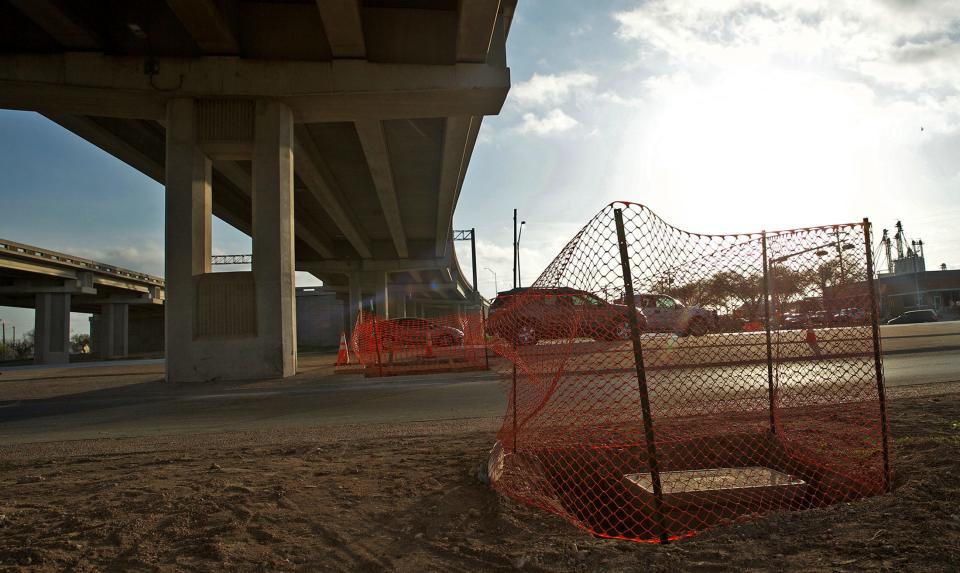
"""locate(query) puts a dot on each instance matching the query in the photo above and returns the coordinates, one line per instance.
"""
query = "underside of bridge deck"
(337, 133)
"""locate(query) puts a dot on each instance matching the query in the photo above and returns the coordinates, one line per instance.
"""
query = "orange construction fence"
(388, 347)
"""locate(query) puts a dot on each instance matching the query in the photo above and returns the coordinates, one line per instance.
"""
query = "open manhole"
(715, 479)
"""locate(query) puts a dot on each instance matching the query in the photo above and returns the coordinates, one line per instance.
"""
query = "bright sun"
(759, 148)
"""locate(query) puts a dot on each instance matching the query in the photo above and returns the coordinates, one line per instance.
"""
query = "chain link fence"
(662, 382)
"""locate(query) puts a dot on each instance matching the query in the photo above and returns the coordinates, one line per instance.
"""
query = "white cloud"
(551, 89)
(487, 134)
(903, 45)
(554, 121)
(543, 97)
(581, 31)
(615, 98)
(146, 258)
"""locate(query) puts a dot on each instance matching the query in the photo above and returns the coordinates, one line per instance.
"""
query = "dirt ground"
(406, 497)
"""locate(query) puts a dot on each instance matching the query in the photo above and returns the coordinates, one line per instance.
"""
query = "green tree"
(80, 343)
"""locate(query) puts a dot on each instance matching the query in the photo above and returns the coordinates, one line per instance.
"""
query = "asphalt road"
(130, 399)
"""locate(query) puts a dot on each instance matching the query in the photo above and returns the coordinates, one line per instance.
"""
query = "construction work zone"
(390, 347)
(635, 423)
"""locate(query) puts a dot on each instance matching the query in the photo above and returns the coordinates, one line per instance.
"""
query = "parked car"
(398, 332)
(915, 316)
(793, 320)
(818, 318)
(526, 315)
(851, 315)
(667, 314)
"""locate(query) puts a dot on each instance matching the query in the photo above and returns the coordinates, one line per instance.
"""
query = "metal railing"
(36, 253)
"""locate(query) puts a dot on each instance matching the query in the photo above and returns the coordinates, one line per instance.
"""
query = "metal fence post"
(766, 312)
(641, 377)
(514, 407)
(483, 337)
(877, 361)
(376, 338)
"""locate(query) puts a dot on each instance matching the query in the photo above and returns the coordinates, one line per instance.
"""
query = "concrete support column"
(144, 330)
(231, 325)
(273, 237)
(397, 303)
(51, 331)
(374, 285)
(187, 236)
(410, 307)
(113, 327)
(354, 300)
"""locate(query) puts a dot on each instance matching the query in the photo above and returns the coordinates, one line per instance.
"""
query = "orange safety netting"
(419, 345)
(752, 383)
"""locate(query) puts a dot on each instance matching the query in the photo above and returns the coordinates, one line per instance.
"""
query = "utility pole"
(519, 273)
(463, 235)
(916, 277)
(473, 255)
(836, 231)
(514, 248)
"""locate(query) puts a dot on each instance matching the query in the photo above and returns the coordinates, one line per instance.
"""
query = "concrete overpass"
(337, 133)
(128, 305)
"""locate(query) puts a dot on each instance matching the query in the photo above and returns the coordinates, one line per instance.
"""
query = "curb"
(920, 350)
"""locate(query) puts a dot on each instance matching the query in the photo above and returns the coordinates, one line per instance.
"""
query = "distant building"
(939, 290)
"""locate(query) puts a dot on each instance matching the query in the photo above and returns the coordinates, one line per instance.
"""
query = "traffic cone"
(812, 341)
(429, 352)
(343, 356)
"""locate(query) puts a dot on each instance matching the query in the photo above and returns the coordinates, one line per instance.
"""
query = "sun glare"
(759, 148)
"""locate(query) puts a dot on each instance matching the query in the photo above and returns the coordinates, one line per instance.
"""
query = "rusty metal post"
(766, 312)
(483, 336)
(514, 406)
(650, 436)
(376, 338)
(877, 360)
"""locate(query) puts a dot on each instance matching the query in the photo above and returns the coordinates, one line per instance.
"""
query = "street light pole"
(473, 255)
(514, 248)
(519, 275)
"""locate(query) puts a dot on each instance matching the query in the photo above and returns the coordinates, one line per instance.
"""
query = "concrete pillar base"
(229, 326)
(51, 333)
(112, 336)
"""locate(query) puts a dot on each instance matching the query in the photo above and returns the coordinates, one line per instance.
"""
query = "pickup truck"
(667, 314)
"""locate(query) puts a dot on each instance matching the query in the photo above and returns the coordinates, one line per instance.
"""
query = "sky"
(720, 115)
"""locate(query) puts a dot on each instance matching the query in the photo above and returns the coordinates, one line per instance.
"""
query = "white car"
(667, 314)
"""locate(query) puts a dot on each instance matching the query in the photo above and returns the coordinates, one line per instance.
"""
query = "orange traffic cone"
(343, 356)
(812, 341)
(429, 351)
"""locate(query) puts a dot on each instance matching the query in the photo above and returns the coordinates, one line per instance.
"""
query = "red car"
(525, 316)
(398, 332)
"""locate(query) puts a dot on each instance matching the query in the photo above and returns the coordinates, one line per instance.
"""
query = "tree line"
(732, 292)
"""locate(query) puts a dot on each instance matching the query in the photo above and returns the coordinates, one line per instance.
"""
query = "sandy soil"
(406, 497)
